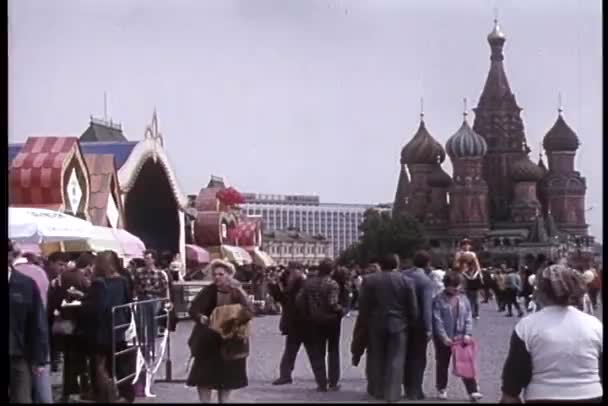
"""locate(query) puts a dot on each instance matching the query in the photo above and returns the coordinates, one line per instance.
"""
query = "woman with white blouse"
(556, 353)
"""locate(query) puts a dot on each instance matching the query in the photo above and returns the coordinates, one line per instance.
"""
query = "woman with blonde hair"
(219, 342)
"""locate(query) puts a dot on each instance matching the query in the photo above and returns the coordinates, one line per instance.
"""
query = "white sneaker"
(442, 395)
(475, 397)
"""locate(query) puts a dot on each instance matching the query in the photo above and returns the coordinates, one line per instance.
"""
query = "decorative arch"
(153, 201)
(150, 148)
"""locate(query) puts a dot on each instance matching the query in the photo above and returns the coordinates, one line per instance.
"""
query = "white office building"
(335, 221)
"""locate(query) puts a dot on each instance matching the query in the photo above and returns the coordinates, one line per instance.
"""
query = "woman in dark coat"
(218, 364)
(108, 289)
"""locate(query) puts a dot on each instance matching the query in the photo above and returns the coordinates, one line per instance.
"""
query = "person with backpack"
(319, 303)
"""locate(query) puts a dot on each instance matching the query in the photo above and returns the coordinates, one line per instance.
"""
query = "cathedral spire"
(497, 87)
(421, 109)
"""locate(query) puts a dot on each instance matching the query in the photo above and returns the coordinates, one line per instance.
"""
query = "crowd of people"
(64, 305)
(401, 309)
(61, 310)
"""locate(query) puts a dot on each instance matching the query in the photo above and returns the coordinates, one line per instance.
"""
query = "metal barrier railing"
(144, 336)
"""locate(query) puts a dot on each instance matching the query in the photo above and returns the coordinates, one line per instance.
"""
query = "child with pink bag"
(452, 337)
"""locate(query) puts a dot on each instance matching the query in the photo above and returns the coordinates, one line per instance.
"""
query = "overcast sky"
(301, 96)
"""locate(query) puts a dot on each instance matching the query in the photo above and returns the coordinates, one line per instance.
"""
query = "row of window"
(296, 250)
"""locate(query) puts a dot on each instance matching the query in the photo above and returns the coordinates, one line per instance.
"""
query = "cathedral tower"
(421, 155)
(469, 190)
(498, 121)
(563, 186)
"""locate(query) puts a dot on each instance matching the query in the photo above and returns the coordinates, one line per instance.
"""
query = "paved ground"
(492, 331)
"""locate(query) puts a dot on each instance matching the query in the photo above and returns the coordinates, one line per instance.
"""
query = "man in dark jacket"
(284, 291)
(28, 341)
(319, 303)
(387, 307)
(421, 332)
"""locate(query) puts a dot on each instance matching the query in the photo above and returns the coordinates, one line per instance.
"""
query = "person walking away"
(319, 303)
(108, 289)
(357, 281)
(219, 364)
(488, 284)
(149, 283)
(512, 289)
(526, 288)
(594, 287)
(452, 321)
(291, 323)
(586, 304)
(556, 345)
(420, 333)
(473, 283)
(41, 382)
(341, 276)
(499, 293)
(56, 264)
(28, 338)
(387, 309)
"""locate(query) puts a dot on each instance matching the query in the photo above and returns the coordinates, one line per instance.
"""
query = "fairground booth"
(103, 178)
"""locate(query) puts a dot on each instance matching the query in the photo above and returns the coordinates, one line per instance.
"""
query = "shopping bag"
(464, 359)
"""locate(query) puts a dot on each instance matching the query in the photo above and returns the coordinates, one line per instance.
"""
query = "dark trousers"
(20, 380)
(323, 340)
(74, 367)
(473, 296)
(293, 342)
(486, 294)
(385, 360)
(443, 353)
(593, 294)
(415, 364)
(500, 299)
(511, 300)
(101, 375)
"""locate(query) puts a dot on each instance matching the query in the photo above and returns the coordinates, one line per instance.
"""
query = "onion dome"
(422, 148)
(560, 137)
(466, 143)
(524, 170)
(438, 178)
(496, 36)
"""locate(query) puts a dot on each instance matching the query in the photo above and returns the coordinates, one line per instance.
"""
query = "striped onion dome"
(466, 143)
(439, 178)
(422, 149)
(524, 170)
(560, 137)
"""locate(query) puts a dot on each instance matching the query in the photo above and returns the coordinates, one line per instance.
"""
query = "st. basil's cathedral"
(512, 208)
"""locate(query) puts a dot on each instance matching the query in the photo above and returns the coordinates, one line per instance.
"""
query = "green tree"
(384, 234)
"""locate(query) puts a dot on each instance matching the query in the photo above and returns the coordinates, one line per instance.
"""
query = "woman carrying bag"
(453, 326)
(219, 342)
